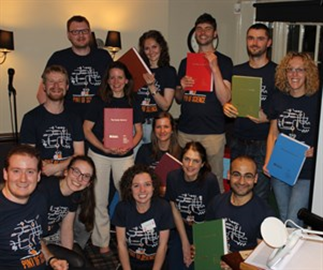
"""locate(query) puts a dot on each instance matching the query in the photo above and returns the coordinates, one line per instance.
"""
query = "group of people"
(67, 128)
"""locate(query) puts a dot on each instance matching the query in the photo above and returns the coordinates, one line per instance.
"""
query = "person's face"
(152, 50)
(205, 34)
(257, 42)
(55, 86)
(163, 129)
(192, 163)
(21, 178)
(78, 177)
(296, 75)
(243, 176)
(79, 34)
(142, 189)
(117, 81)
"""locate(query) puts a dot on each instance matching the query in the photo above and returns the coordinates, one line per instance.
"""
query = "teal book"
(246, 95)
(287, 159)
(210, 243)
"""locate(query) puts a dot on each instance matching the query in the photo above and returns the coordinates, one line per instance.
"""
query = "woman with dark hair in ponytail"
(189, 190)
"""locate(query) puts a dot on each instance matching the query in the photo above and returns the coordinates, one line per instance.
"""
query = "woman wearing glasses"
(294, 112)
(189, 190)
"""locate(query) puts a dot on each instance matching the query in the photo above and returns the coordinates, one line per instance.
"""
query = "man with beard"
(85, 66)
(249, 133)
(202, 117)
(242, 210)
(55, 131)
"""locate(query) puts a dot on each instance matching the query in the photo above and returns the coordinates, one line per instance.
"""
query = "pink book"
(166, 164)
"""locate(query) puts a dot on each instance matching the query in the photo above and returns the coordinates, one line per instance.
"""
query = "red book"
(198, 67)
(118, 128)
(166, 164)
(136, 66)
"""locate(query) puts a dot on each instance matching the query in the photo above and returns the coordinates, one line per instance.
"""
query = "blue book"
(287, 159)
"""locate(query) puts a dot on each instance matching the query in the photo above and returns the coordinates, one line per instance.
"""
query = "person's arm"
(261, 119)
(67, 234)
(41, 95)
(123, 248)
(162, 249)
(222, 87)
(138, 134)
(51, 260)
(186, 246)
(271, 139)
(49, 169)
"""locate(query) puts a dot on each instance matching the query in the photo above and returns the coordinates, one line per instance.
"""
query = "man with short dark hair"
(202, 117)
(250, 133)
(23, 214)
(85, 66)
(243, 210)
(55, 131)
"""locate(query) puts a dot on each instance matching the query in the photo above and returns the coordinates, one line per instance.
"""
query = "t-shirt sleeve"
(181, 71)
(138, 116)
(170, 187)
(119, 215)
(167, 217)
(171, 81)
(93, 112)
(27, 130)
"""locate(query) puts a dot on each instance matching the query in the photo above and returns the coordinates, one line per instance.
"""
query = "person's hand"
(309, 152)
(187, 81)
(261, 119)
(187, 256)
(49, 169)
(224, 266)
(122, 151)
(58, 264)
(212, 58)
(230, 111)
(149, 78)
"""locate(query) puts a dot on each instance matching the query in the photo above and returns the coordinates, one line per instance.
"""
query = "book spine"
(141, 60)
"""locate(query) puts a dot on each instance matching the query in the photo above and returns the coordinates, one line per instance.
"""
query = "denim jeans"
(291, 198)
(257, 151)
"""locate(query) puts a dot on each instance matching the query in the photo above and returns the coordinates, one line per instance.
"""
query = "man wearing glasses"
(243, 210)
(85, 65)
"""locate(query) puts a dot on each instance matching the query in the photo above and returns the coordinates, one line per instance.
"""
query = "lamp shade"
(6, 40)
(93, 42)
(113, 41)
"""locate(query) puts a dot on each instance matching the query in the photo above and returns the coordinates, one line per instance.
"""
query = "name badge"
(148, 225)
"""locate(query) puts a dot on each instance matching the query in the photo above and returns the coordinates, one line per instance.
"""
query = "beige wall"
(39, 30)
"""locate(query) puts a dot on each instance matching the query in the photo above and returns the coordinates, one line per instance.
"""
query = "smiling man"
(23, 214)
(55, 131)
(243, 210)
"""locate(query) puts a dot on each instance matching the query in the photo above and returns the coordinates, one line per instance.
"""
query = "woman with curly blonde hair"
(294, 112)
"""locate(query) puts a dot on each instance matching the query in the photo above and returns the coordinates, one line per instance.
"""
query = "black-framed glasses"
(246, 177)
(79, 31)
(86, 177)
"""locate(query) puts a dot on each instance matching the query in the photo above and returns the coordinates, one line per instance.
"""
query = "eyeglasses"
(297, 70)
(86, 177)
(246, 177)
(80, 31)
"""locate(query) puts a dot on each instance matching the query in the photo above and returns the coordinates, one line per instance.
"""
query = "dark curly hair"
(206, 18)
(164, 58)
(129, 175)
(87, 199)
(105, 91)
(312, 74)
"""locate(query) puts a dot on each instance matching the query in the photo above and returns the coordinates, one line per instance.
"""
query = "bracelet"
(154, 93)
(50, 259)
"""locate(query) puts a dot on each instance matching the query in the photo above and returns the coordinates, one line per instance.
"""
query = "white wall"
(39, 30)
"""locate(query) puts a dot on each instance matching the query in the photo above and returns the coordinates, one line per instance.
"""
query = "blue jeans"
(257, 151)
(291, 198)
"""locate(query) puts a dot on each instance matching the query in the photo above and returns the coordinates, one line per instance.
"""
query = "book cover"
(198, 67)
(136, 66)
(210, 242)
(287, 159)
(166, 164)
(118, 128)
(246, 95)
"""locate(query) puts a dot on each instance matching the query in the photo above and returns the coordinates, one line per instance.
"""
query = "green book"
(246, 95)
(210, 243)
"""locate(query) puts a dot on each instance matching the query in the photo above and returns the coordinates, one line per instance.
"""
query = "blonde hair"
(312, 74)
